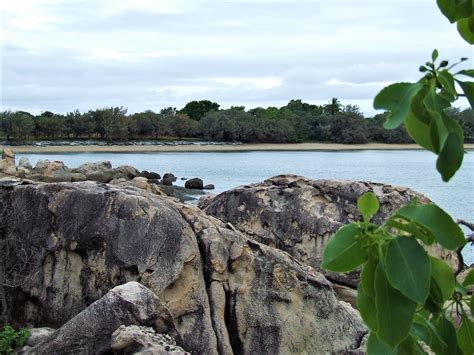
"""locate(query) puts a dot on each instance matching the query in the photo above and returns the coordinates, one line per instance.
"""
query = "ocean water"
(411, 168)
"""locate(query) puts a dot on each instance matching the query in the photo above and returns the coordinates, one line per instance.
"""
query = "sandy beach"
(215, 148)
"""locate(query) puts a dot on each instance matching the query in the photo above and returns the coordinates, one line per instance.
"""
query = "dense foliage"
(10, 339)
(295, 122)
(410, 300)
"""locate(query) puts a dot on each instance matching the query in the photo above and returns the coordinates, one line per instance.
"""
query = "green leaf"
(468, 88)
(466, 72)
(466, 29)
(434, 55)
(469, 280)
(395, 312)
(471, 304)
(377, 347)
(421, 332)
(396, 98)
(443, 276)
(465, 336)
(408, 268)
(447, 333)
(368, 205)
(367, 278)
(434, 221)
(447, 81)
(413, 229)
(344, 251)
(419, 131)
(366, 307)
(455, 9)
(450, 158)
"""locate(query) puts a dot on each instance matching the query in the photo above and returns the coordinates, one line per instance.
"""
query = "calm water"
(414, 169)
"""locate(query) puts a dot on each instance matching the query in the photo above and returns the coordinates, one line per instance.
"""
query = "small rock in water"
(209, 187)
(194, 183)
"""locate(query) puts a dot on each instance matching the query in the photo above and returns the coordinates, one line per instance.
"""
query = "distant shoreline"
(218, 148)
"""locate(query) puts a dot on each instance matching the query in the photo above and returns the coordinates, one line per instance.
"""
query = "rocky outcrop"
(90, 331)
(299, 216)
(143, 340)
(225, 292)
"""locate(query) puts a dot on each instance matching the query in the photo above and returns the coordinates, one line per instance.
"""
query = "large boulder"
(168, 179)
(98, 171)
(225, 292)
(90, 331)
(299, 215)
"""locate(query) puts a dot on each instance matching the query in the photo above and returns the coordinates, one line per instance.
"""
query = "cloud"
(148, 54)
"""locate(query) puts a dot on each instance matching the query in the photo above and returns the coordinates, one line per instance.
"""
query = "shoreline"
(218, 148)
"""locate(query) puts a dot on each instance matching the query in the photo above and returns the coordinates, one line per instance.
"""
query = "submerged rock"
(225, 293)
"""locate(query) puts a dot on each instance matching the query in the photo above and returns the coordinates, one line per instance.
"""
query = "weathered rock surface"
(39, 335)
(143, 340)
(56, 171)
(99, 171)
(90, 331)
(194, 183)
(24, 162)
(126, 171)
(299, 216)
(225, 292)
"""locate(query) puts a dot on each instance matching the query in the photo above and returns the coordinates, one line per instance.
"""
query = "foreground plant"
(408, 299)
(10, 339)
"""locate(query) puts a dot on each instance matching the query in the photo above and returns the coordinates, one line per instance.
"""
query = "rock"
(25, 163)
(299, 215)
(56, 171)
(90, 331)
(125, 171)
(209, 187)
(150, 175)
(143, 340)
(225, 292)
(76, 177)
(99, 171)
(184, 178)
(9, 156)
(39, 335)
(41, 165)
(194, 183)
(181, 193)
(168, 179)
(141, 183)
(7, 168)
(22, 172)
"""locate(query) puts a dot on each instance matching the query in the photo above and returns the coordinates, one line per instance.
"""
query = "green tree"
(333, 107)
(197, 109)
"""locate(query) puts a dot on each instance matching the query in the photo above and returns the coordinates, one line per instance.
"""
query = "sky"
(149, 54)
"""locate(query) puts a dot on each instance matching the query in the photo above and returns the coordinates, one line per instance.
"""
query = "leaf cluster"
(421, 107)
(10, 339)
(403, 290)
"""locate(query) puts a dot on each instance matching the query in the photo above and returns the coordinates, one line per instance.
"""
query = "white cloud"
(63, 54)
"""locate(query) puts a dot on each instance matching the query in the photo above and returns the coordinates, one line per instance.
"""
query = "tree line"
(295, 122)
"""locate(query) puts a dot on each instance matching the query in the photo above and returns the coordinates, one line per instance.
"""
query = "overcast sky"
(149, 54)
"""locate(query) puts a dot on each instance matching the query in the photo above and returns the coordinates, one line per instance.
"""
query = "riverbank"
(217, 148)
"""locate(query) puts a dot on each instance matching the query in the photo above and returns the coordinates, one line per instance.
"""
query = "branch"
(467, 224)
